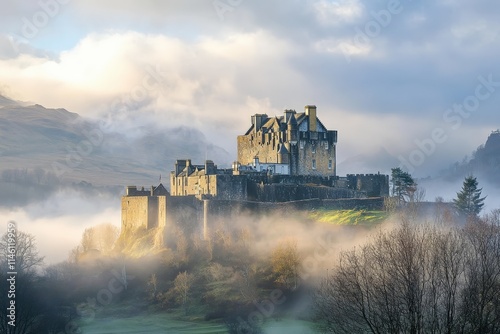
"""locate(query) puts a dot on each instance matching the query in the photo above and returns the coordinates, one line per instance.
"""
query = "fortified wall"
(373, 185)
(144, 208)
(284, 162)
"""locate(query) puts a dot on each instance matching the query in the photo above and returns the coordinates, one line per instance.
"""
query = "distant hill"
(484, 162)
(378, 161)
(69, 149)
(6, 102)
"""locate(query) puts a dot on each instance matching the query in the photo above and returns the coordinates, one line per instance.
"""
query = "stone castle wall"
(265, 146)
(232, 187)
(318, 147)
(194, 215)
(215, 210)
(143, 212)
(313, 146)
(135, 212)
(374, 185)
(286, 192)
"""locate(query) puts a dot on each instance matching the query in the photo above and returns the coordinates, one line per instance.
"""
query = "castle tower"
(298, 140)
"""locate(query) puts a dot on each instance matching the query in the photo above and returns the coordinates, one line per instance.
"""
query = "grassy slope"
(149, 323)
(165, 323)
(348, 217)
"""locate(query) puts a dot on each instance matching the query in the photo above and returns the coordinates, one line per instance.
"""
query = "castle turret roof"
(160, 191)
(282, 149)
(292, 123)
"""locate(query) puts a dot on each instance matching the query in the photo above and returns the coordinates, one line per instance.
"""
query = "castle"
(281, 159)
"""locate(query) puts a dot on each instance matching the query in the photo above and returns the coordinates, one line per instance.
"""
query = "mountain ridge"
(36, 137)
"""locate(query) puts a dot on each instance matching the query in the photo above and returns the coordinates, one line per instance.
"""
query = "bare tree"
(182, 247)
(408, 280)
(26, 254)
(285, 261)
(100, 237)
(153, 286)
(182, 287)
(88, 242)
(481, 296)
(105, 236)
(29, 310)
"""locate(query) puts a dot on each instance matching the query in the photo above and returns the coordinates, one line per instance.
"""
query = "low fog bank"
(448, 191)
(59, 221)
(318, 243)
(231, 276)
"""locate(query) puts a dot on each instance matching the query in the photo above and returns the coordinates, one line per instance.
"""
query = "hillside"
(73, 149)
(484, 162)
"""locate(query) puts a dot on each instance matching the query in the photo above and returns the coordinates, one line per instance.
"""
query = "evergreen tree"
(403, 185)
(469, 199)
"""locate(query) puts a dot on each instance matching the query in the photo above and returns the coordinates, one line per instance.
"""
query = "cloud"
(338, 12)
(177, 63)
(210, 84)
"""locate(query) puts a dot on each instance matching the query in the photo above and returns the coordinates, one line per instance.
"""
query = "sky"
(417, 79)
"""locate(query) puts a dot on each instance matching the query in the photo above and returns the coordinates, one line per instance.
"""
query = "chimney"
(131, 190)
(210, 168)
(179, 166)
(311, 112)
(288, 115)
(258, 120)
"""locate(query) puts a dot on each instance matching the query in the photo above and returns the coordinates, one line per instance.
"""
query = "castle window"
(314, 149)
(326, 145)
(330, 164)
(301, 144)
(314, 163)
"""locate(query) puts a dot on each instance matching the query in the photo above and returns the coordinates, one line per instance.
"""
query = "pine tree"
(469, 199)
(403, 185)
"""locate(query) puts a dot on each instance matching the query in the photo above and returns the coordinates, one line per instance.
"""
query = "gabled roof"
(160, 191)
(249, 131)
(282, 149)
(301, 117)
(198, 170)
(272, 122)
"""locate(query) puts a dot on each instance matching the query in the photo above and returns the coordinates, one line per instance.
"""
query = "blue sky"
(384, 73)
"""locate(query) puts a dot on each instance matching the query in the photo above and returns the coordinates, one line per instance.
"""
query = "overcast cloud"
(383, 73)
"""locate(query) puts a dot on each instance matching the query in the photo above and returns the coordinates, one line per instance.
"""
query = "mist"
(58, 221)
(439, 187)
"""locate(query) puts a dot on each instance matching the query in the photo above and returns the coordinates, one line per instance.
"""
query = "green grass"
(150, 323)
(132, 318)
(157, 323)
(348, 217)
